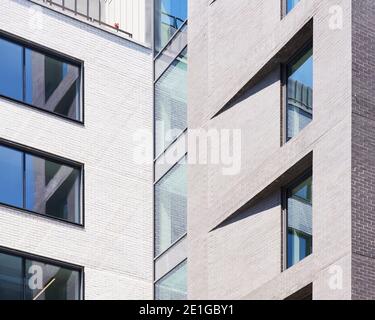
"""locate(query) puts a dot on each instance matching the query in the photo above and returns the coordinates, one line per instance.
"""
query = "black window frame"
(49, 157)
(42, 259)
(27, 44)
(285, 192)
(284, 88)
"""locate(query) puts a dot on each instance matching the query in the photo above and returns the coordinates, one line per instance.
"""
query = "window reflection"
(169, 17)
(40, 185)
(11, 70)
(24, 279)
(170, 207)
(11, 277)
(52, 189)
(40, 80)
(290, 4)
(174, 285)
(170, 103)
(299, 216)
(53, 282)
(299, 94)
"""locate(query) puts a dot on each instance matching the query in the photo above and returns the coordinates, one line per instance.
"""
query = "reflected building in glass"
(170, 125)
(76, 205)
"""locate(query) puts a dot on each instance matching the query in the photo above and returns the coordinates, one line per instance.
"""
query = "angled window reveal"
(173, 286)
(299, 221)
(170, 103)
(30, 279)
(43, 186)
(40, 79)
(299, 100)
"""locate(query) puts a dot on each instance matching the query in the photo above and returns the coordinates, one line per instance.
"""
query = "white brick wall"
(229, 42)
(115, 246)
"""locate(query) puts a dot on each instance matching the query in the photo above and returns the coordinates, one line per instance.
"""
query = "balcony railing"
(92, 10)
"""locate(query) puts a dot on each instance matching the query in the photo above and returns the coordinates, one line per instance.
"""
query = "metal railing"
(92, 11)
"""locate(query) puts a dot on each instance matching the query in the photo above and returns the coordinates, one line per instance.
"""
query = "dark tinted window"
(40, 80)
(22, 278)
(11, 277)
(40, 185)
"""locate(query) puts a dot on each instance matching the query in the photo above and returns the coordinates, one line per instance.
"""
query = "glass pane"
(11, 277)
(169, 16)
(50, 282)
(11, 70)
(170, 103)
(290, 4)
(11, 177)
(300, 94)
(170, 207)
(174, 285)
(52, 189)
(299, 222)
(52, 84)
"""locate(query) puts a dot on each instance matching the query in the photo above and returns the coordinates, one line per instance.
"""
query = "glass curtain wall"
(170, 103)
(170, 121)
(173, 285)
(170, 208)
(169, 16)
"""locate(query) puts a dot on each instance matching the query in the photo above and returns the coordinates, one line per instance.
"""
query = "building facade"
(296, 222)
(170, 149)
(76, 213)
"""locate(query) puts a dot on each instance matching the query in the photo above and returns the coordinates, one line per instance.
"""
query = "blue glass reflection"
(11, 177)
(11, 66)
(40, 80)
(169, 17)
(300, 94)
(291, 4)
(299, 214)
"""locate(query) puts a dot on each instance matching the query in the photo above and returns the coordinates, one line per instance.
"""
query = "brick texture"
(363, 151)
(116, 245)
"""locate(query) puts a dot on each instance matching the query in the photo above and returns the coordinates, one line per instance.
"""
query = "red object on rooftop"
(117, 25)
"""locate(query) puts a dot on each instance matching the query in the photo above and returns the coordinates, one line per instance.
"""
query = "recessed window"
(290, 4)
(40, 185)
(173, 286)
(170, 208)
(30, 279)
(40, 80)
(170, 15)
(170, 103)
(299, 221)
(299, 93)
